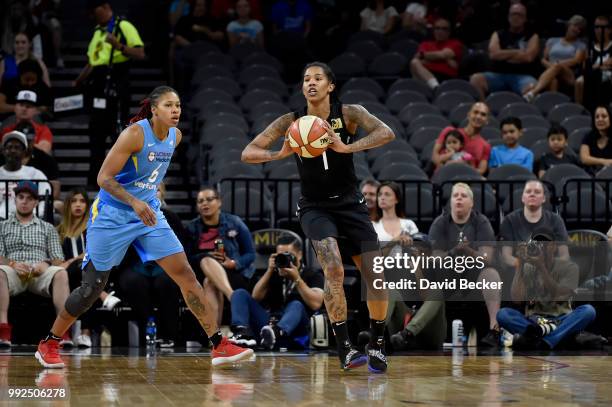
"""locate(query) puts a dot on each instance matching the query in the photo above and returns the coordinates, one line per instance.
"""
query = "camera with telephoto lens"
(534, 248)
(284, 260)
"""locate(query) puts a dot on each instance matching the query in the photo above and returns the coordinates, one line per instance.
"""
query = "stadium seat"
(559, 112)
(215, 132)
(216, 58)
(490, 133)
(415, 109)
(262, 122)
(348, 65)
(394, 123)
(457, 85)
(248, 204)
(230, 169)
(572, 123)
(495, 142)
(539, 148)
(534, 121)
(209, 95)
(268, 107)
(532, 135)
(558, 174)
(357, 96)
(368, 50)
(428, 120)
(410, 84)
(223, 83)
(459, 113)
(576, 136)
(273, 84)
(297, 101)
(425, 155)
(254, 97)
(401, 98)
(509, 172)
(362, 172)
(367, 84)
(230, 119)
(545, 101)
(288, 171)
(586, 206)
(389, 64)
(395, 145)
(391, 157)
(406, 47)
(243, 50)
(419, 202)
(447, 101)
(285, 209)
(214, 108)
(450, 171)
(368, 35)
(263, 58)
(422, 136)
(401, 171)
(375, 108)
(517, 110)
(202, 73)
(588, 248)
(498, 100)
(253, 72)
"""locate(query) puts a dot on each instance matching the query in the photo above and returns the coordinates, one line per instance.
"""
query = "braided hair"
(150, 101)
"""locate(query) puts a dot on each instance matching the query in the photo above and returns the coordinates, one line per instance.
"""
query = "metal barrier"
(595, 189)
(7, 195)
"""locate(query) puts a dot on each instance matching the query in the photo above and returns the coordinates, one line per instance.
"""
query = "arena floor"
(130, 377)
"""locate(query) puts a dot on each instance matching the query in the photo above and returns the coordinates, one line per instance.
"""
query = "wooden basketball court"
(453, 377)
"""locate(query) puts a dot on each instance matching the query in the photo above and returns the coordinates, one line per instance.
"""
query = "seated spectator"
(475, 145)
(22, 51)
(558, 152)
(390, 223)
(546, 283)
(226, 10)
(600, 59)
(596, 148)
(378, 17)
(198, 26)
(287, 290)
(220, 247)
(176, 10)
(563, 57)
(458, 232)
(72, 232)
(437, 60)
(369, 189)
(15, 147)
(519, 225)
(511, 152)
(244, 28)
(292, 16)
(30, 258)
(414, 18)
(513, 52)
(30, 78)
(25, 112)
(454, 149)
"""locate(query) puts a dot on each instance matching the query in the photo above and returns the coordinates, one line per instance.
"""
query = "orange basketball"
(308, 136)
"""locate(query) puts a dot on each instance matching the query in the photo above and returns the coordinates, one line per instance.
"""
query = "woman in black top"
(331, 206)
(596, 148)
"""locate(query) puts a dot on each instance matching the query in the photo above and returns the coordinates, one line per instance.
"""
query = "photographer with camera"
(115, 42)
(546, 283)
(287, 290)
(457, 233)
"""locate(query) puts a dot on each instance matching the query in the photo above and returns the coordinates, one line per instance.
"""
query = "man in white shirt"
(14, 148)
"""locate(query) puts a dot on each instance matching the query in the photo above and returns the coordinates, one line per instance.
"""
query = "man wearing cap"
(30, 78)
(546, 283)
(14, 148)
(25, 111)
(114, 44)
(36, 269)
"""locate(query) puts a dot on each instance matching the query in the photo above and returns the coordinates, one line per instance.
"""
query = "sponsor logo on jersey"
(336, 124)
(145, 185)
(151, 156)
(159, 156)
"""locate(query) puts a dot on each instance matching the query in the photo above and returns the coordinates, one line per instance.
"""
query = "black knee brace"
(83, 297)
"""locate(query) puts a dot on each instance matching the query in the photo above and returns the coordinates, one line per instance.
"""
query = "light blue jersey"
(113, 225)
(144, 170)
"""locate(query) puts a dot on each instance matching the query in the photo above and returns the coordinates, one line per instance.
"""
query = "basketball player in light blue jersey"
(127, 212)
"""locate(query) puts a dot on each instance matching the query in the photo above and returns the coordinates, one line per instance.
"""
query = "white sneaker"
(83, 341)
(110, 301)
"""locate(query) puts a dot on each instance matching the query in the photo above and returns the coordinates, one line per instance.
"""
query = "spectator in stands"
(563, 57)
(425, 328)
(461, 232)
(287, 290)
(198, 26)
(26, 104)
(226, 266)
(475, 145)
(30, 258)
(596, 148)
(438, 59)
(244, 28)
(558, 152)
(15, 147)
(72, 232)
(292, 16)
(511, 152)
(546, 283)
(519, 225)
(22, 51)
(114, 44)
(369, 189)
(176, 10)
(390, 222)
(454, 149)
(600, 59)
(30, 78)
(513, 52)
(226, 10)
(414, 18)
(378, 17)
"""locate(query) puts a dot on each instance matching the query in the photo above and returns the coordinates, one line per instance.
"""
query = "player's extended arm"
(378, 132)
(130, 141)
(258, 150)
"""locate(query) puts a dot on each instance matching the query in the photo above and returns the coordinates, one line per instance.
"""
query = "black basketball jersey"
(331, 174)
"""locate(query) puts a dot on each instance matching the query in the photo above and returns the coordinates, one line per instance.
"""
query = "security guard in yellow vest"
(114, 44)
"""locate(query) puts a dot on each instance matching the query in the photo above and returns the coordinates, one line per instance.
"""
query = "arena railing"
(8, 185)
(595, 212)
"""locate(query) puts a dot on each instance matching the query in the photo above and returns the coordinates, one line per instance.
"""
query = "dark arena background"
(502, 145)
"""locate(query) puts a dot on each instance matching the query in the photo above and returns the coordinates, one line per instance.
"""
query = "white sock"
(433, 83)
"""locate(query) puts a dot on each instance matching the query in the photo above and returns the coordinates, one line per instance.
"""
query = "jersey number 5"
(155, 174)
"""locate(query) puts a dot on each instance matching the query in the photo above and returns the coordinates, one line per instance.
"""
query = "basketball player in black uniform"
(331, 206)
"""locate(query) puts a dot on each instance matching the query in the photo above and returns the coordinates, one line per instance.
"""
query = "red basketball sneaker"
(48, 354)
(227, 352)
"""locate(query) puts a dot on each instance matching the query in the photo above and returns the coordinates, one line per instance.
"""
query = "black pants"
(75, 275)
(143, 293)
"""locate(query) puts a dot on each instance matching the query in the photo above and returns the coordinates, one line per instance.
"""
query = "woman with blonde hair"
(72, 235)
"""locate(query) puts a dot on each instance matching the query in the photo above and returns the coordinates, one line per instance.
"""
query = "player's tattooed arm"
(333, 294)
(258, 150)
(378, 133)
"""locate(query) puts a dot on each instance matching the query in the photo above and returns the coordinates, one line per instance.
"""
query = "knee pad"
(83, 297)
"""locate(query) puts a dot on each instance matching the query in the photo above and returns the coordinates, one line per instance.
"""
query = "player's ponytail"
(150, 101)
